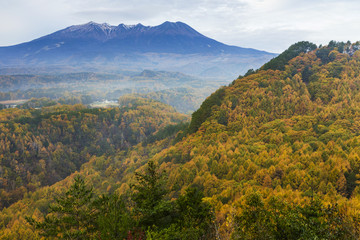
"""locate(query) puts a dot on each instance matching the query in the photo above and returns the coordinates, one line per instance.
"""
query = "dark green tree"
(277, 219)
(323, 54)
(195, 216)
(205, 110)
(279, 62)
(192, 219)
(114, 220)
(306, 73)
(151, 208)
(249, 72)
(73, 216)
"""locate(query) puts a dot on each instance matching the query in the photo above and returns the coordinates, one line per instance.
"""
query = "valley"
(181, 91)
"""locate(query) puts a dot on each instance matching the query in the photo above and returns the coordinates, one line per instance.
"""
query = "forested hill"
(41, 147)
(276, 154)
(289, 133)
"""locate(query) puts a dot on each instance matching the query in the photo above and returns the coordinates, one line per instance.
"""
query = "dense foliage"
(78, 214)
(279, 62)
(278, 219)
(200, 115)
(276, 154)
(41, 147)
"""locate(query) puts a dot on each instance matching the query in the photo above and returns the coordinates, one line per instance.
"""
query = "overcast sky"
(270, 25)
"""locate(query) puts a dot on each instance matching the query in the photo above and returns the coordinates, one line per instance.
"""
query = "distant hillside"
(54, 142)
(179, 90)
(169, 46)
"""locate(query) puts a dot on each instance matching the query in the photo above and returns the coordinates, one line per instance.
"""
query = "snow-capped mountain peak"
(90, 26)
(129, 45)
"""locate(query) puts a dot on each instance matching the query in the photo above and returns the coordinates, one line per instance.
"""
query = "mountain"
(276, 153)
(169, 46)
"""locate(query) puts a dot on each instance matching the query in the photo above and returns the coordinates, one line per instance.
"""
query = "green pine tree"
(73, 216)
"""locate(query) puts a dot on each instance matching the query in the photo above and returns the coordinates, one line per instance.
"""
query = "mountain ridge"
(170, 46)
(105, 32)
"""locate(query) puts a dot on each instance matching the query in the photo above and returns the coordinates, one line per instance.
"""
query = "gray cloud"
(114, 15)
(270, 25)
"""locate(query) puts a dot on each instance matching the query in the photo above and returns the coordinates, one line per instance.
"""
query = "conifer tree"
(73, 216)
(151, 207)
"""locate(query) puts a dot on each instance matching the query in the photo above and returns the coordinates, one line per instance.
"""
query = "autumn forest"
(273, 155)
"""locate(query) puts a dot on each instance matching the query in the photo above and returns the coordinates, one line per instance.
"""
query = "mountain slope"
(51, 143)
(135, 46)
(168, 37)
(269, 145)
